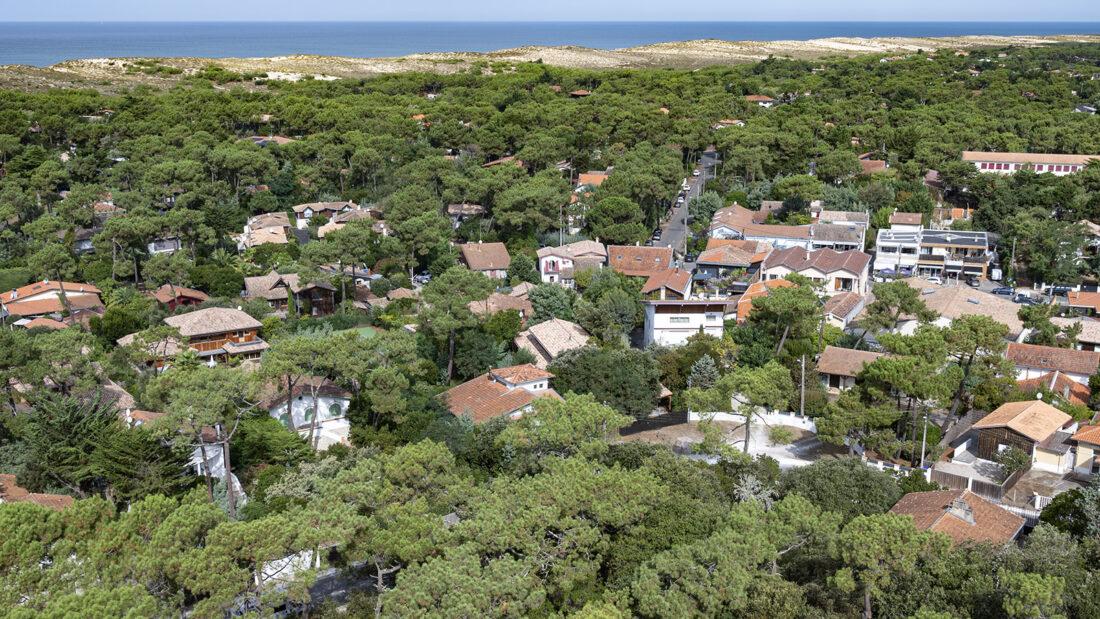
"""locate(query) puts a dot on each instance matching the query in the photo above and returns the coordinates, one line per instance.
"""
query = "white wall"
(675, 329)
(1024, 373)
(302, 406)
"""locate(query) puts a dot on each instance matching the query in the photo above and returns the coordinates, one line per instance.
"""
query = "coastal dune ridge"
(693, 54)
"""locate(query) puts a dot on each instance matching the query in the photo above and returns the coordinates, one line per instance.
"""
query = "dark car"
(656, 235)
(1007, 291)
(973, 282)
(1025, 299)
(1060, 291)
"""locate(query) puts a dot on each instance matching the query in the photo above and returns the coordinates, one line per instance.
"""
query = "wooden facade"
(214, 341)
(990, 441)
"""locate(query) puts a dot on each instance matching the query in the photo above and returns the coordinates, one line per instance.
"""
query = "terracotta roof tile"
(523, 373)
(549, 339)
(732, 252)
(758, 289)
(843, 304)
(164, 294)
(1034, 419)
(961, 515)
(845, 361)
(45, 323)
(824, 260)
(1088, 434)
(636, 260)
(1084, 299)
(678, 280)
(1028, 158)
(320, 207)
(593, 179)
(51, 305)
(1060, 384)
(10, 491)
(1052, 358)
(498, 302)
(906, 219)
(45, 286)
(212, 320)
(485, 256)
(484, 398)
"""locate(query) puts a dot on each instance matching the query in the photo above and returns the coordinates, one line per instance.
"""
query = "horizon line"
(544, 21)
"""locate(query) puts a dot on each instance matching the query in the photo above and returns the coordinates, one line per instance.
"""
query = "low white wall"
(772, 418)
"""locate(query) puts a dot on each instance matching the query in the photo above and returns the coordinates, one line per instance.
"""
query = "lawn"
(364, 332)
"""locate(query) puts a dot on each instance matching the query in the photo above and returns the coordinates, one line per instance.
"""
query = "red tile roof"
(1088, 434)
(11, 492)
(164, 294)
(961, 515)
(757, 289)
(44, 286)
(674, 279)
(485, 256)
(1051, 358)
(906, 219)
(45, 323)
(1060, 384)
(1034, 419)
(51, 305)
(485, 397)
(845, 361)
(1084, 299)
(635, 260)
(824, 260)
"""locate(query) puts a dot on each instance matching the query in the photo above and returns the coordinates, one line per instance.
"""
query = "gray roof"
(212, 320)
(838, 233)
(955, 237)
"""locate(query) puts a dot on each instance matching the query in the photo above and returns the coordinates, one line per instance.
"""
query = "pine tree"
(704, 373)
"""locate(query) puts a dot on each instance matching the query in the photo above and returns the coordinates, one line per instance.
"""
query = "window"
(713, 316)
(679, 320)
(985, 166)
(335, 410)
(834, 381)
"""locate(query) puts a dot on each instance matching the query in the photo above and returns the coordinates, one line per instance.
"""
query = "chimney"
(960, 509)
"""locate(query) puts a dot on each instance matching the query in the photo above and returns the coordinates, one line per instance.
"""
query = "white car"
(934, 280)
(695, 173)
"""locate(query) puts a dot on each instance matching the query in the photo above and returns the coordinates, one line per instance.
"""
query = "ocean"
(45, 43)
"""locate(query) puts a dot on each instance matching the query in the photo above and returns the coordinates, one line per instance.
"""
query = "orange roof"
(1060, 384)
(1043, 158)
(1084, 299)
(638, 261)
(51, 306)
(673, 279)
(485, 256)
(46, 323)
(523, 373)
(485, 398)
(44, 286)
(1034, 419)
(870, 166)
(1088, 434)
(164, 293)
(906, 219)
(595, 179)
(733, 252)
(758, 98)
(961, 515)
(758, 289)
(1052, 358)
(10, 491)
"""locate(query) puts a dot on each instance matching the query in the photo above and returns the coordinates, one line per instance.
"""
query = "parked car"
(934, 279)
(695, 173)
(973, 282)
(1060, 291)
(657, 234)
(1025, 299)
(1006, 291)
(680, 200)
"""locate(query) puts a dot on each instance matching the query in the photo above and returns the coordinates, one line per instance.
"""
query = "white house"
(738, 222)
(836, 271)
(304, 212)
(1033, 361)
(558, 265)
(671, 323)
(331, 402)
(1010, 163)
(502, 392)
(896, 251)
(164, 246)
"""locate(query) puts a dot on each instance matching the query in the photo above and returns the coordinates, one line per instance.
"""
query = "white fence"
(774, 418)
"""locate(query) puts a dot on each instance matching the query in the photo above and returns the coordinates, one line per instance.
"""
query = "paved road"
(675, 231)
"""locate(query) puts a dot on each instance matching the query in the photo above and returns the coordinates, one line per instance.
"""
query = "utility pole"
(1012, 262)
(561, 222)
(802, 390)
(923, 440)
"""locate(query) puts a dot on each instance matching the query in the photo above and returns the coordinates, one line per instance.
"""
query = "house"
(954, 253)
(672, 322)
(172, 296)
(961, 515)
(549, 339)
(220, 333)
(521, 290)
(492, 259)
(263, 229)
(1060, 385)
(1010, 163)
(580, 92)
(263, 141)
(503, 392)
(857, 218)
(909, 222)
(1082, 302)
(498, 302)
(304, 212)
(1086, 461)
(43, 323)
(755, 290)
(738, 222)
(12, 492)
(461, 212)
(639, 261)
(339, 220)
(761, 100)
(952, 302)
(44, 298)
(591, 179)
(314, 299)
(1085, 109)
(730, 257)
(1032, 426)
(668, 285)
(1088, 338)
(1034, 361)
(839, 367)
(519, 163)
(726, 123)
(841, 309)
(330, 401)
(367, 300)
(868, 165)
(896, 251)
(167, 245)
(558, 265)
(836, 271)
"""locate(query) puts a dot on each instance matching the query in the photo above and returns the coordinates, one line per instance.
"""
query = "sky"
(558, 10)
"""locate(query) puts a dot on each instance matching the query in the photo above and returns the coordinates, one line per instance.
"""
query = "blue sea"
(42, 43)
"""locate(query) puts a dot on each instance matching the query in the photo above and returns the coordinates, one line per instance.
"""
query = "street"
(674, 230)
